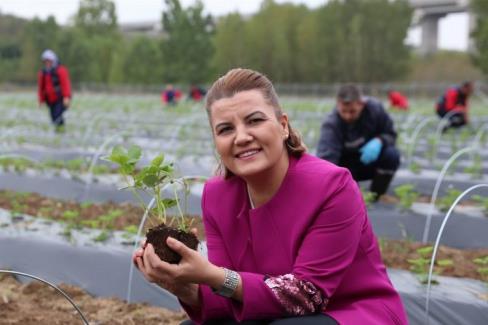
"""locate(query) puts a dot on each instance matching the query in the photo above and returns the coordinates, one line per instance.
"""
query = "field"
(64, 218)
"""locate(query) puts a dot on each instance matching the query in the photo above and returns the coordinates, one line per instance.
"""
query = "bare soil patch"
(36, 304)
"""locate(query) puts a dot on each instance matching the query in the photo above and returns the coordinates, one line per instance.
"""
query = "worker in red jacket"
(455, 103)
(54, 87)
(171, 95)
(196, 93)
(398, 100)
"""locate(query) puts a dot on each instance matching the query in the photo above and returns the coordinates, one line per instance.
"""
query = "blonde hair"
(238, 80)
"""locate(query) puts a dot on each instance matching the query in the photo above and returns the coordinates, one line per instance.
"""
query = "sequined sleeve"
(298, 297)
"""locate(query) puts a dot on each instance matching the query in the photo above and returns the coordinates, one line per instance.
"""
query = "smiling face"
(248, 135)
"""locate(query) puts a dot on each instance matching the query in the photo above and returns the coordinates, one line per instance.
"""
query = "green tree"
(230, 43)
(38, 35)
(480, 34)
(79, 55)
(96, 17)
(11, 30)
(272, 37)
(187, 48)
(363, 40)
(143, 63)
(344, 40)
(95, 35)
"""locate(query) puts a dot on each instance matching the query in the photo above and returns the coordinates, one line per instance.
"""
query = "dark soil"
(157, 237)
(38, 304)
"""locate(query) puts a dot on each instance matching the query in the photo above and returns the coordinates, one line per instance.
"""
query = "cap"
(49, 55)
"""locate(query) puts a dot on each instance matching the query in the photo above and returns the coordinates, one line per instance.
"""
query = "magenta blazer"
(315, 227)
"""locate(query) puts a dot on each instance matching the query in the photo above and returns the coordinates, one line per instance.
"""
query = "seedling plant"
(420, 265)
(483, 201)
(482, 262)
(476, 169)
(446, 201)
(153, 179)
(368, 197)
(414, 167)
(407, 195)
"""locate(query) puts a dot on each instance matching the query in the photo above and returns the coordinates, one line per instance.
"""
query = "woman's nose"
(242, 136)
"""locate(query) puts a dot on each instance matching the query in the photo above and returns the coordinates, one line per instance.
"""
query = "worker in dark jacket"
(359, 135)
(54, 87)
(454, 102)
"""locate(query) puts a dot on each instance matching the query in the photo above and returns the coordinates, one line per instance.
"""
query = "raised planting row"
(56, 259)
(408, 206)
(24, 212)
(106, 217)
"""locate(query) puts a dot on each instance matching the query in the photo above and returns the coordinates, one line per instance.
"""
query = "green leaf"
(150, 180)
(168, 203)
(134, 154)
(118, 155)
(425, 250)
(127, 169)
(418, 262)
(131, 229)
(169, 168)
(481, 260)
(158, 160)
(444, 262)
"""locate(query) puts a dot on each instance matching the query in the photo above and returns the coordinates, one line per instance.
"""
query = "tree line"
(342, 40)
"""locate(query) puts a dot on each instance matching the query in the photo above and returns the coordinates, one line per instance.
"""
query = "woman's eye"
(224, 130)
(255, 120)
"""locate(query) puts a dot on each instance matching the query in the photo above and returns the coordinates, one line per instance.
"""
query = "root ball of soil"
(157, 237)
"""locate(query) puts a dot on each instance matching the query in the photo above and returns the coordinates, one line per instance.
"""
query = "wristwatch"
(231, 281)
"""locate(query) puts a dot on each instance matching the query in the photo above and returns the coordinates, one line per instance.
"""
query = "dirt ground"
(37, 304)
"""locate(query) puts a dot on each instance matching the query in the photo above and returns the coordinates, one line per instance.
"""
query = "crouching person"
(359, 135)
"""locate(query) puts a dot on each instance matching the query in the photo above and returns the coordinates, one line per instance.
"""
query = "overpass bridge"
(427, 14)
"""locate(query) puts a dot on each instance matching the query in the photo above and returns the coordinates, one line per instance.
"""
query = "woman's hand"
(180, 279)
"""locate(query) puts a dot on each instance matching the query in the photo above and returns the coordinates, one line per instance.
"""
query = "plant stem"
(182, 221)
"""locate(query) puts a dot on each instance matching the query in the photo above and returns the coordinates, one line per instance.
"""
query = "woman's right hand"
(185, 291)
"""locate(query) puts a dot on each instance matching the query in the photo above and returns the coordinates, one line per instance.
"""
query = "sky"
(453, 29)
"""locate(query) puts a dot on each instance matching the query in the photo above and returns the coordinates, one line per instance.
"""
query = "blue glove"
(370, 151)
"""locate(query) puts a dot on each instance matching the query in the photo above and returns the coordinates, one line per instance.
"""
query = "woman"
(287, 233)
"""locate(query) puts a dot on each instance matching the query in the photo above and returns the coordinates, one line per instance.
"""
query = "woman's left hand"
(193, 268)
